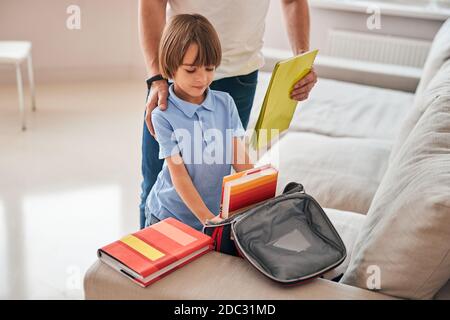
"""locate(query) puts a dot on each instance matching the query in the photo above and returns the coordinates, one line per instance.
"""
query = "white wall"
(107, 45)
(324, 19)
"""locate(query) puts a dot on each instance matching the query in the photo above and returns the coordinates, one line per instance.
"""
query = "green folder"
(278, 108)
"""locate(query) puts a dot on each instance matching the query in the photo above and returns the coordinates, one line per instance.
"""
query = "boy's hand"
(157, 97)
(214, 220)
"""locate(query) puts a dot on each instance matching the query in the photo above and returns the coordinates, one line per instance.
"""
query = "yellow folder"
(278, 108)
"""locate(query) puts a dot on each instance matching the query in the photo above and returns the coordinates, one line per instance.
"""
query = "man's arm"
(152, 19)
(296, 14)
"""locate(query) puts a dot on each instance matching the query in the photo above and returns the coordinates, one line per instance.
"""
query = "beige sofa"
(379, 161)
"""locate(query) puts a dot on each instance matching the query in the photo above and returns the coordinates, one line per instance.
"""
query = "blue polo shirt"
(202, 135)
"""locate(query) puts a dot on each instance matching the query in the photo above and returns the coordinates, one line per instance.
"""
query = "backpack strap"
(292, 187)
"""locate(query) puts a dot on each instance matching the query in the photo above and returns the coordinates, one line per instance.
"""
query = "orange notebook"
(245, 189)
(151, 253)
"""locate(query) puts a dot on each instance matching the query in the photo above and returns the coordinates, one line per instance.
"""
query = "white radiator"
(377, 48)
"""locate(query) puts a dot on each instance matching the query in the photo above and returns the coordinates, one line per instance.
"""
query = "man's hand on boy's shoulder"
(157, 97)
(304, 86)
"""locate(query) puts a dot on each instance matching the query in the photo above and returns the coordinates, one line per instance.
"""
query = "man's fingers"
(309, 78)
(162, 100)
(151, 104)
(305, 89)
(158, 97)
(148, 122)
(304, 81)
(300, 97)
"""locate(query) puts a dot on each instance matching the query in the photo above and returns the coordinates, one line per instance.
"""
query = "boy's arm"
(241, 159)
(186, 189)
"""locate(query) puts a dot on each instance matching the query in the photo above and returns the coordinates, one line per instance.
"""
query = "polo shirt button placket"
(202, 127)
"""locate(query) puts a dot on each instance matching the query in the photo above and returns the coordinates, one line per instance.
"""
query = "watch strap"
(152, 79)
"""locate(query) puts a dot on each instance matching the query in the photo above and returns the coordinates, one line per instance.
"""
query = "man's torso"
(240, 25)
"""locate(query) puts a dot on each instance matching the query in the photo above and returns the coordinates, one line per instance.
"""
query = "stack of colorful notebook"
(245, 189)
(153, 252)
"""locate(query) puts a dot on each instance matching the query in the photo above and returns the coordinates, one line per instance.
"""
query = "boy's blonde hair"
(182, 31)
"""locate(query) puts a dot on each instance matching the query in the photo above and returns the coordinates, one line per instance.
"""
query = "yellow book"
(278, 108)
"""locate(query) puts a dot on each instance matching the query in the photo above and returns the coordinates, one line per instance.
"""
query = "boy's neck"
(186, 97)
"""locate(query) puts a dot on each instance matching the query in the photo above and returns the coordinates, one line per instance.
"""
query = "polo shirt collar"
(188, 108)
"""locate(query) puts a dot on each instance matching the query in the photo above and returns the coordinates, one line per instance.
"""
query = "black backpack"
(288, 238)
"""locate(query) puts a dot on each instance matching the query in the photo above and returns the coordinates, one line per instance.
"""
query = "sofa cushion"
(214, 276)
(343, 109)
(439, 53)
(347, 224)
(439, 86)
(340, 173)
(406, 231)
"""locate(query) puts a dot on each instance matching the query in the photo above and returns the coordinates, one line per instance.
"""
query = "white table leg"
(20, 91)
(31, 80)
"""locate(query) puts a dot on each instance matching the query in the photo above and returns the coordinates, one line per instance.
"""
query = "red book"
(245, 189)
(150, 254)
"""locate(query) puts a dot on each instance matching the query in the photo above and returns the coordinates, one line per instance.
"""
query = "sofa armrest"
(214, 276)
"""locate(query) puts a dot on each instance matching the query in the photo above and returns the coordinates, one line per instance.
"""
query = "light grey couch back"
(439, 54)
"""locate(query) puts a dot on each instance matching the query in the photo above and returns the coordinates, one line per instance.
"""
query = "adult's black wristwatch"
(152, 79)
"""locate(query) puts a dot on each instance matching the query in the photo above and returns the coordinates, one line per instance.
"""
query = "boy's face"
(190, 80)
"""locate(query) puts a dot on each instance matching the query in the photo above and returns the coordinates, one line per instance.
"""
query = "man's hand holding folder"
(281, 97)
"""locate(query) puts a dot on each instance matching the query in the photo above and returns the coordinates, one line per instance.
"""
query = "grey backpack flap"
(289, 238)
